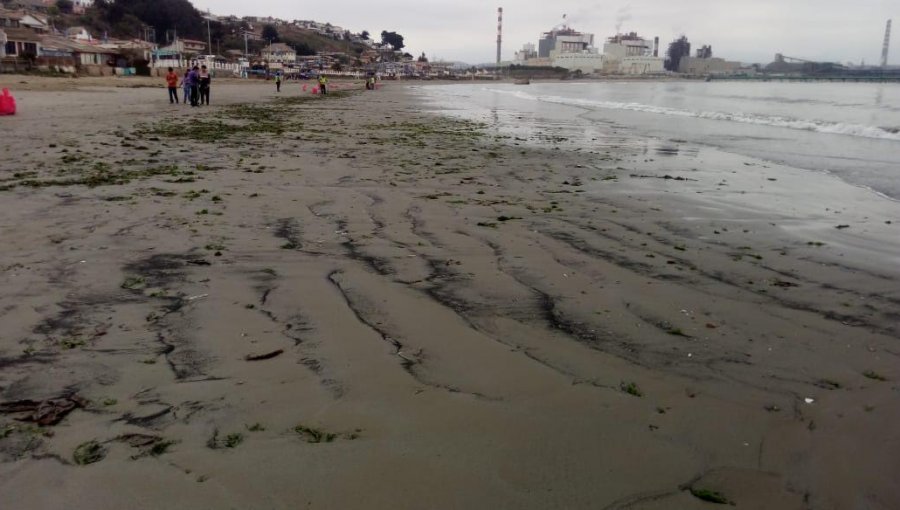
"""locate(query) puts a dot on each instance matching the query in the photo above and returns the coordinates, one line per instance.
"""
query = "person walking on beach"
(193, 78)
(205, 83)
(172, 82)
(277, 82)
(323, 85)
(186, 86)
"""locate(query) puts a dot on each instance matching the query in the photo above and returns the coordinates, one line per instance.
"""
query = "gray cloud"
(747, 30)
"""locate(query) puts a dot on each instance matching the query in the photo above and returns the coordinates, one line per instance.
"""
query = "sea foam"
(817, 126)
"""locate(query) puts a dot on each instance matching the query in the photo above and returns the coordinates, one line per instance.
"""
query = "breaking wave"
(833, 128)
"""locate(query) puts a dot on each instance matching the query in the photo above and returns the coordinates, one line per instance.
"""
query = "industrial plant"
(565, 48)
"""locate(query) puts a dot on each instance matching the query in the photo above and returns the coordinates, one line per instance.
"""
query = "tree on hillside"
(304, 49)
(365, 35)
(270, 33)
(679, 49)
(65, 6)
(423, 58)
(128, 17)
(394, 39)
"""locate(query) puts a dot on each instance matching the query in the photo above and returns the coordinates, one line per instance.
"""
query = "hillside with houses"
(121, 38)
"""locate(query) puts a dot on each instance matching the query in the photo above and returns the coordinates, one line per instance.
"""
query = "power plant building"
(632, 54)
(575, 51)
(707, 66)
(564, 40)
(569, 49)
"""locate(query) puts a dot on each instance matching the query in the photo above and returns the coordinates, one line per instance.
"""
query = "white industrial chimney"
(887, 45)
(499, 34)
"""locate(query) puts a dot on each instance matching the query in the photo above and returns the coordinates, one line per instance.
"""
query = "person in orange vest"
(172, 82)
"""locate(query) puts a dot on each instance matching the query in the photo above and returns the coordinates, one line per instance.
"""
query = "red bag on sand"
(7, 103)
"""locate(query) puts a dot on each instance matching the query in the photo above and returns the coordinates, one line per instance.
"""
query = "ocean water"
(851, 130)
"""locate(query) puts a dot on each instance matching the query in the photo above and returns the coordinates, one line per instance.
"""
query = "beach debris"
(148, 445)
(194, 298)
(783, 284)
(842, 227)
(875, 376)
(229, 441)
(88, 453)
(672, 330)
(809, 400)
(138, 440)
(7, 103)
(263, 357)
(313, 435)
(828, 384)
(134, 283)
(631, 388)
(710, 496)
(46, 412)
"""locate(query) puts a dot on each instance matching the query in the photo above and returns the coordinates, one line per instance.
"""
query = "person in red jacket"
(172, 82)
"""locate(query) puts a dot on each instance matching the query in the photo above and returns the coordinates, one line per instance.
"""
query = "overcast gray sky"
(746, 30)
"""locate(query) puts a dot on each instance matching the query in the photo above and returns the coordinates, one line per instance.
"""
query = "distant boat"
(523, 81)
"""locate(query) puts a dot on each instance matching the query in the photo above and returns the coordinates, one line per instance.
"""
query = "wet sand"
(353, 303)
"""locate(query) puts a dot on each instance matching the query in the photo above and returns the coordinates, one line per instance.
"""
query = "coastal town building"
(21, 43)
(280, 53)
(185, 47)
(87, 58)
(23, 19)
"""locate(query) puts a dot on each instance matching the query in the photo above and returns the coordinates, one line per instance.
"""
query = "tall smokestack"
(656, 46)
(887, 44)
(499, 34)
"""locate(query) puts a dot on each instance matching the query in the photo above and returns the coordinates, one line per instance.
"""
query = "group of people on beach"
(322, 79)
(195, 84)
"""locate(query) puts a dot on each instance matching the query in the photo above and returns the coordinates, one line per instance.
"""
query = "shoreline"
(538, 329)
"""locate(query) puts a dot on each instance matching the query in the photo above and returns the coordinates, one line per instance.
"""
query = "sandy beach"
(284, 301)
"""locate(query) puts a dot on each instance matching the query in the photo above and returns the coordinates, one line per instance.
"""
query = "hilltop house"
(37, 5)
(280, 53)
(16, 19)
(79, 34)
(79, 6)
